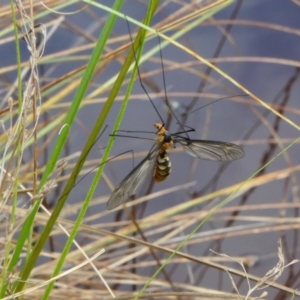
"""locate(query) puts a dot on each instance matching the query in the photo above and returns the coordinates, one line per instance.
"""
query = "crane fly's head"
(161, 129)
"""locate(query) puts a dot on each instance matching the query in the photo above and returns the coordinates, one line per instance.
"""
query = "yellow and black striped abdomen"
(163, 166)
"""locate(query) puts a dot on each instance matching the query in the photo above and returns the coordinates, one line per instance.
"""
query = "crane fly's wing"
(132, 181)
(211, 150)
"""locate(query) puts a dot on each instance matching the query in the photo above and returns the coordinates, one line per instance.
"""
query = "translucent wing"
(132, 181)
(211, 150)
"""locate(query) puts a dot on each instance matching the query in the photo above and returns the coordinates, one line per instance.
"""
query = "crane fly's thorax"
(164, 138)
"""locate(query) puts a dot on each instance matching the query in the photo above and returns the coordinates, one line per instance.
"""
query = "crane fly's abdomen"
(163, 166)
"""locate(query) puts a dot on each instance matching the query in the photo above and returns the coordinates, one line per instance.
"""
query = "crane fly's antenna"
(139, 74)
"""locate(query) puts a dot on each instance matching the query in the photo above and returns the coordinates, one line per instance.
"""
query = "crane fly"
(157, 161)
